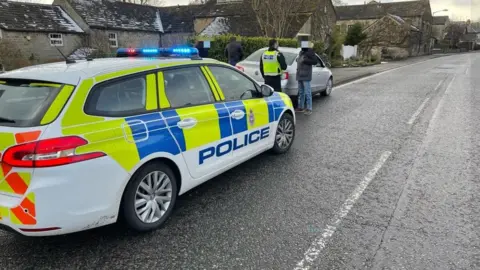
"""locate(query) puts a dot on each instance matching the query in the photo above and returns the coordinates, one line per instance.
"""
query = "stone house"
(315, 18)
(439, 26)
(462, 35)
(390, 37)
(415, 13)
(113, 24)
(178, 24)
(34, 33)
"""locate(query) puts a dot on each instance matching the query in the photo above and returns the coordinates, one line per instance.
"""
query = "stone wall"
(35, 47)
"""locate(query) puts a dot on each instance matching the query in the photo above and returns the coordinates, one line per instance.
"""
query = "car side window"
(119, 98)
(320, 62)
(235, 86)
(186, 87)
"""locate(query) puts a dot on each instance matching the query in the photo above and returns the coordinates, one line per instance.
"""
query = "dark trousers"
(275, 82)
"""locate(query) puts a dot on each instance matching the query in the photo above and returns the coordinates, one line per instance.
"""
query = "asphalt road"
(384, 175)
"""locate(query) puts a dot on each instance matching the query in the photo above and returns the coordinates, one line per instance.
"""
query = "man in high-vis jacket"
(272, 66)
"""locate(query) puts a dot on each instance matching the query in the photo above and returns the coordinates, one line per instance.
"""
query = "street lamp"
(443, 10)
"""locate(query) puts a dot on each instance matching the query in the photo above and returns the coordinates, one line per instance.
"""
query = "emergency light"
(180, 52)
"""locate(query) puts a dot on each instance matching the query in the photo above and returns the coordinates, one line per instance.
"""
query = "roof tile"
(17, 16)
(118, 15)
(378, 10)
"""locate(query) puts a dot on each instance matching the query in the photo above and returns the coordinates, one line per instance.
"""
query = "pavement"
(345, 75)
(383, 175)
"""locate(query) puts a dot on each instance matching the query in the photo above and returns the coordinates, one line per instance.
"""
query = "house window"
(112, 39)
(56, 39)
(349, 26)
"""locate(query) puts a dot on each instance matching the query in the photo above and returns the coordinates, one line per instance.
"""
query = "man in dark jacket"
(305, 62)
(234, 51)
(272, 66)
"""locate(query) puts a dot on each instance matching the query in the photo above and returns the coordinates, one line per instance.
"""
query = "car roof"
(64, 73)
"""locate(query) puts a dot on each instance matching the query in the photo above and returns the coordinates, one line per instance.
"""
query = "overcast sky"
(458, 9)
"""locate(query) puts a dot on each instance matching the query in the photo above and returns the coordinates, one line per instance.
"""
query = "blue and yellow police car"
(85, 143)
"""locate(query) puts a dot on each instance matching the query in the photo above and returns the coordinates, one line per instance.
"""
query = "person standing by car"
(234, 51)
(272, 66)
(305, 62)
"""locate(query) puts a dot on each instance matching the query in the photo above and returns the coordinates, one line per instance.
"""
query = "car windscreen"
(255, 57)
(24, 103)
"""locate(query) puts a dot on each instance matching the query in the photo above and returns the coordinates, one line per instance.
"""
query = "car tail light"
(48, 153)
(285, 76)
(240, 68)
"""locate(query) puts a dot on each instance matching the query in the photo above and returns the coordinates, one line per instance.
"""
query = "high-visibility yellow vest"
(271, 67)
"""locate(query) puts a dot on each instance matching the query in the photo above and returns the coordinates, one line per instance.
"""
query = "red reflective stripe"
(24, 218)
(16, 183)
(27, 136)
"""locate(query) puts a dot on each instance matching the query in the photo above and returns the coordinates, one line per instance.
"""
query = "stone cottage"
(415, 13)
(113, 24)
(35, 33)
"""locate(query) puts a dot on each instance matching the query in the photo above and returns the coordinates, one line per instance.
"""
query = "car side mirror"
(266, 90)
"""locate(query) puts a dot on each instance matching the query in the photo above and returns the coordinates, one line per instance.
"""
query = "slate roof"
(378, 10)
(401, 21)
(112, 14)
(440, 20)
(16, 16)
(239, 19)
(179, 19)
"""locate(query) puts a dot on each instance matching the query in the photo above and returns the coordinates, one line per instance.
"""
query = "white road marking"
(382, 72)
(420, 109)
(467, 70)
(311, 255)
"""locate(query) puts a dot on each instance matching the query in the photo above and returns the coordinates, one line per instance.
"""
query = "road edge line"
(374, 74)
(313, 252)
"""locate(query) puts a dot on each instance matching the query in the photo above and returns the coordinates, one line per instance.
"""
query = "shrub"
(250, 45)
(355, 35)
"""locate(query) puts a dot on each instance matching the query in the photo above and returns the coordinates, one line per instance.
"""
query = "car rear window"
(255, 57)
(24, 103)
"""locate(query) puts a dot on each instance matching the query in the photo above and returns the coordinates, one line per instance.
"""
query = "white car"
(85, 143)
(322, 77)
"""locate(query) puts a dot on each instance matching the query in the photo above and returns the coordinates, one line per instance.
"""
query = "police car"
(84, 144)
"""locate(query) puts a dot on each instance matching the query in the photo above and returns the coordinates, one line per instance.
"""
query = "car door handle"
(187, 123)
(237, 114)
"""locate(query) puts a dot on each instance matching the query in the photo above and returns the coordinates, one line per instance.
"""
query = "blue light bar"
(178, 51)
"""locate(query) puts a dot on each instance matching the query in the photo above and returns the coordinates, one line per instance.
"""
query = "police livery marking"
(118, 153)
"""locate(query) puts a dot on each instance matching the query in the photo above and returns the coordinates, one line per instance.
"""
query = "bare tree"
(276, 16)
(338, 3)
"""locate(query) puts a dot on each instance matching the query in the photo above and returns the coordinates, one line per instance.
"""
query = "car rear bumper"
(66, 199)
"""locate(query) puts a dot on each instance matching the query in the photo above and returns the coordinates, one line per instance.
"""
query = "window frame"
(112, 39)
(163, 70)
(257, 86)
(320, 64)
(56, 39)
(36, 121)
(122, 114)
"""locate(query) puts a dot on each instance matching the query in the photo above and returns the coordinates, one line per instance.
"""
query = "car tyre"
(329, 89)
(160, 199)
(284, 135)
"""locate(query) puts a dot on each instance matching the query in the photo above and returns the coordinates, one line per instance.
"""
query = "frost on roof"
(118, 15)
(402, 21)
(218, 26)
(36, 17)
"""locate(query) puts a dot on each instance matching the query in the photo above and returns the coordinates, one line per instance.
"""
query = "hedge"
(250, 45)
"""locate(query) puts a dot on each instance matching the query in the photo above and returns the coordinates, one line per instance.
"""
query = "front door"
(251, 115)
(198, 126)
